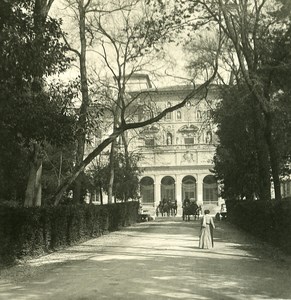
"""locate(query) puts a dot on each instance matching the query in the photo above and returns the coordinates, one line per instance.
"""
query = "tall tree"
(127, 35)
(30, 51)
(236, 159)
(252, 28)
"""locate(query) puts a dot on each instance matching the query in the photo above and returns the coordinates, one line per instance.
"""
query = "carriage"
(190, 208)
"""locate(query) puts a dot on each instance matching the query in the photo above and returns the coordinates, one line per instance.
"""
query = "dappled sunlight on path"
(156, 260)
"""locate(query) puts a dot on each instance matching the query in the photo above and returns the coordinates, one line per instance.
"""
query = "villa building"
(177, 152)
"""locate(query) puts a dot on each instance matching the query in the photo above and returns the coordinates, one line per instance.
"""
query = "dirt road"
(155, 260)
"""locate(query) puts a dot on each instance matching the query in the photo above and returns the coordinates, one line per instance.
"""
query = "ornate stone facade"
(177, 152)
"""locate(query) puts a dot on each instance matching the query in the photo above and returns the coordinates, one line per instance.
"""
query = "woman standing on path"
(206, 232)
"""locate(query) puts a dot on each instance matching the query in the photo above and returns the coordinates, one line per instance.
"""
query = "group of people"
(207, 223)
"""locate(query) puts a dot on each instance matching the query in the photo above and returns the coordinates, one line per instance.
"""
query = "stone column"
(179, 188)
(199, 185)
(157, 189)
(179, 193)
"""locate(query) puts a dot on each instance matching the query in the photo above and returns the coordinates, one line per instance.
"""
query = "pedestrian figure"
(206, 232)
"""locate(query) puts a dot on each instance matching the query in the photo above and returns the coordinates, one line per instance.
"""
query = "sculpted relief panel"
(188, 157)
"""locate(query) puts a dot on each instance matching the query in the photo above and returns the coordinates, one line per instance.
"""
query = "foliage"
(29, 112)
(236, 164)
(126, 176)
(57, 163)
(236, 158)
(28, 232)
(270, 221)
(256, 51)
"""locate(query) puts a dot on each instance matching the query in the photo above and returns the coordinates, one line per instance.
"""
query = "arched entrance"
(189, 187)
(168, 188)
(210, 189)
(147, 190)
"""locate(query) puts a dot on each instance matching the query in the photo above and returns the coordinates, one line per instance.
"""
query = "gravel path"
(155, 260)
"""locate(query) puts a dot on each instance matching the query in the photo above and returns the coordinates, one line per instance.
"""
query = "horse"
(163, 208)
(173, 208)
(191, 209)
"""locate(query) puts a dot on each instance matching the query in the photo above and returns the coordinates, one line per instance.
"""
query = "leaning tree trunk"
(116, 133)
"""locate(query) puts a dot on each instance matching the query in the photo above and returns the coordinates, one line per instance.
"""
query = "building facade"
(177, 152)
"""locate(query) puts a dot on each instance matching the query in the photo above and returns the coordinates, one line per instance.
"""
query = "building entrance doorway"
(168, 188)
(189, 188)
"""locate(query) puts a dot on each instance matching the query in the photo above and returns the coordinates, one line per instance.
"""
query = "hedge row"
(33, 231)
(268, 220)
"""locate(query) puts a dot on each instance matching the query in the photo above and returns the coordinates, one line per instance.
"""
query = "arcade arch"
(210, 189)
(168, 188)
(189, 187)
(147, 190)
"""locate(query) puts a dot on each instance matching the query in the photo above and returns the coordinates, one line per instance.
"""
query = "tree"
(30, 51)
(252, 30)
(126, 172)
(236, 160)
(127, 34)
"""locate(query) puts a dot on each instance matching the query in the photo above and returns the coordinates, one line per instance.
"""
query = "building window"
(149, 142)
(189, 141)
(169, 116)
(179, 115)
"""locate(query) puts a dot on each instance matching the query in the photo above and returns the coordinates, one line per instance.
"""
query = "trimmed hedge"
(33, 231)
(268, 220)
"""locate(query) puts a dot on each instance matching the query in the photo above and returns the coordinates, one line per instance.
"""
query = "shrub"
(268, 220)
(33, 231)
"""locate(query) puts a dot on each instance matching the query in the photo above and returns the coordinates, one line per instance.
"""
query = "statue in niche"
(208, 138)
(169, 138)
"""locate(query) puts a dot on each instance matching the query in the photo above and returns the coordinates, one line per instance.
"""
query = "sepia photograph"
(145, 149)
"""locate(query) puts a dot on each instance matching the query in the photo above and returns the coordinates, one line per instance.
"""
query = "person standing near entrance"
(206, 232)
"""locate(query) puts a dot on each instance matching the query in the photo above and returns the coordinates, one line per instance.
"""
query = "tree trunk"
(81, 133)
(33, 188)
(262, 153)
(273, 156)
(100, 194)
(111, 179)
